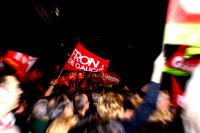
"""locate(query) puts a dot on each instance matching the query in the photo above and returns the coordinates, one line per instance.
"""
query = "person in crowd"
(22, 116)
(191, 106)
(143, 112)
(81, 104)
(163, 110)
(162, 118)
(95, 97)
(85, 111)
(65, 118)
(46, 110)
(10, 93)
(39, 118)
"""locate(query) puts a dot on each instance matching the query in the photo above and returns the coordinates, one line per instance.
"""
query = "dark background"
(127, 33)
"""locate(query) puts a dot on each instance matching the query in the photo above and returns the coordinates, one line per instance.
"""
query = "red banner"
(177, 92)
(83, 60)
(178, 61)
(183, 23)
(108, 78)
(19, 61)
(183, 11)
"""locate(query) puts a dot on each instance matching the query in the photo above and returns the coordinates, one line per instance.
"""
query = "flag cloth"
(83, 60)
(111, 78)
(19, 61)
(107, 78)
(176, 91)
(183, 23)
(192, 51)
(180, 66)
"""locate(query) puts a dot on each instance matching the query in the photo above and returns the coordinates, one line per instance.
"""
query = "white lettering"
(77, 65)
(85, 60)
(70, 61)
(76, 54)
(93, 62)
(178, 62)
(83, 68)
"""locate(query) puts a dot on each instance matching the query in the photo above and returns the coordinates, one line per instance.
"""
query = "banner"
(180, 66)
(183, 23)
(177, 92)
(83, 60)
(111, 78)
(107, 78)
(19, 61)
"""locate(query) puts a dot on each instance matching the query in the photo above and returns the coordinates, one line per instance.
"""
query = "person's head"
(62, 124)
(40, 108)
(10, 92)
(69, 109)
(81, 103)
(59, 105)
(110, 106)
(163, 102)
(136, 100)
(95, 97)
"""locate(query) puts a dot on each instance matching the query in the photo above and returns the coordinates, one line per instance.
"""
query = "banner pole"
(60, 73)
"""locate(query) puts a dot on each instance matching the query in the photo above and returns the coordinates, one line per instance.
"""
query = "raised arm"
(51, 87)
(149, 102)
(158, 68)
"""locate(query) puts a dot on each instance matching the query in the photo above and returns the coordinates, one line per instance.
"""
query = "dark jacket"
(145, 110)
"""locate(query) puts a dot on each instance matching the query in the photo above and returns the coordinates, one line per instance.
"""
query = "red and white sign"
(183, 23)
(19, 61)
(111, 78)
(177, 91)
(106, 78)
(179, 62)
(83, 60)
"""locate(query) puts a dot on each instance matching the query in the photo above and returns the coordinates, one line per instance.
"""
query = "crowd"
(55, 110)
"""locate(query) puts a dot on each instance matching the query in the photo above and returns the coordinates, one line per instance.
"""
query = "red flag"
(19, 61)
(83, 60)
(176, 91)
(183, 23)
(111, 78)
(177, 61)
(107, 78)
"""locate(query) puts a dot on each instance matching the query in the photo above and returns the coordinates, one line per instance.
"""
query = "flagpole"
(60, 73)
(76, 81)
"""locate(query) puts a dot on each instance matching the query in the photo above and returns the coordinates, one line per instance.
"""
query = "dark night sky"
(127, 33)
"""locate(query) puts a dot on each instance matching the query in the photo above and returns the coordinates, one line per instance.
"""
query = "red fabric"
(81, 75)
(83, 60)
(177, 60)
(176, 91)
(111, 78)
(177, 13)
(19, 61)
(107, 78)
